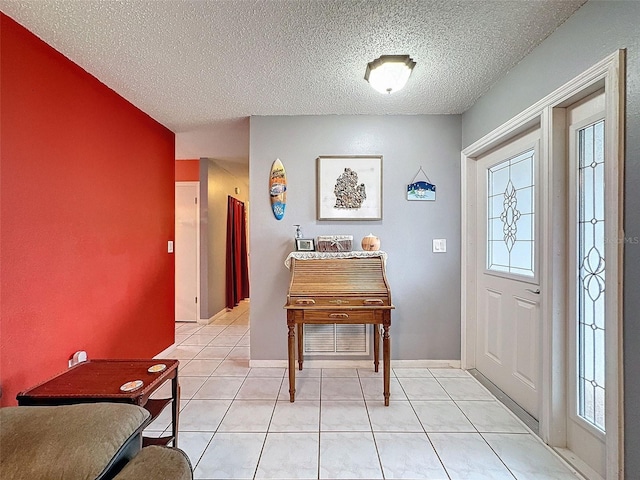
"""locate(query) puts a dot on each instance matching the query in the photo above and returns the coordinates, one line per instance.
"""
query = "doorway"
(569, 260)
(237, 260)
(187, 252)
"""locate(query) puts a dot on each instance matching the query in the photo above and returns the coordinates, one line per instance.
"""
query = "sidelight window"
(591, 275)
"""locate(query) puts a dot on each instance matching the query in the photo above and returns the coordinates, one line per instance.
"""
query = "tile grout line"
(475, 427)
(424, 429)
(230, 403)
(319, 426)
(266, 435)
(373, 436)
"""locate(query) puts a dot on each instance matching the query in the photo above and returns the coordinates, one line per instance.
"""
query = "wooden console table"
(100, 381)
(340, 288)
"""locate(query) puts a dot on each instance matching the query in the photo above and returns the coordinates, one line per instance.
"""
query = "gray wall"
(425, 286)
(216, 183)
(592, 33)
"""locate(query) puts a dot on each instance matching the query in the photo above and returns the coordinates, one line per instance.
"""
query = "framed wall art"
(349, 188)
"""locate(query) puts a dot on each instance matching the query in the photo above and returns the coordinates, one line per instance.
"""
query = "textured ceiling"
(201, 65)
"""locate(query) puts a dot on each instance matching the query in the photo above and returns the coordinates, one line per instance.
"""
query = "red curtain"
(237, 261)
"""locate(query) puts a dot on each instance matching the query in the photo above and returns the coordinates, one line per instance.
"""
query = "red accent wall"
(187, 170)
(87, 207)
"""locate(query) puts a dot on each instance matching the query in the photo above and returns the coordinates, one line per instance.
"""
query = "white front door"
(186, 251)
(508, 328)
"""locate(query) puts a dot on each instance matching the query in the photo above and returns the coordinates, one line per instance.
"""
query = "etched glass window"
(511, 215)
(591, 274)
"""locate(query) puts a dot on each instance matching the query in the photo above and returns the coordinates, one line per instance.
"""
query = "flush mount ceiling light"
(389, 73)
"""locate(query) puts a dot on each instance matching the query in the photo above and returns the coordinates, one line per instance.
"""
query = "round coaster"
(157, 368)
(131, 386)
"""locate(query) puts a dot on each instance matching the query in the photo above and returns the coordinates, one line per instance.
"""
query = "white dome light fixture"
(389, 73)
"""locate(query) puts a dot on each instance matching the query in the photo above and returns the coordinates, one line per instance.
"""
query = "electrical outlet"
(78, 357)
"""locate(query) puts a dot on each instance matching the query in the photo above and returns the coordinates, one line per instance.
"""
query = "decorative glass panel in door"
(511, 215)
(591, 275)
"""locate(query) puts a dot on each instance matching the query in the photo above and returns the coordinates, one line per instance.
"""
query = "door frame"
(549, 114)
(196, 185)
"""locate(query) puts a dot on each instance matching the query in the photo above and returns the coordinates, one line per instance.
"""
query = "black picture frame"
(305, 245)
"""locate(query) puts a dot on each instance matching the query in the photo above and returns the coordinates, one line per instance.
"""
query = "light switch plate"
(170, 246)
(439, 245)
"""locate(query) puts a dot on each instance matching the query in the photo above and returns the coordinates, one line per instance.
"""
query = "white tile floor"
(236, 422)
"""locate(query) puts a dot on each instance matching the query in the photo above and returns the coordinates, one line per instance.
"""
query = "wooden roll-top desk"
(342, 288)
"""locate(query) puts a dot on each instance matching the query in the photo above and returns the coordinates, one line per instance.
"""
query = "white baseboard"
(358, 363)
(268, 363)
(166, 351)
(425, 363)
(207, 321)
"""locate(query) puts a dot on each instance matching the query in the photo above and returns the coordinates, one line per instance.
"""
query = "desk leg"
(376, 346)
(386, 354)
(300, 344)
(292, 360)
(175, 408)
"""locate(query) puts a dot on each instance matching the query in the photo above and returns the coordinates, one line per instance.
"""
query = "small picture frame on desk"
(305, 245)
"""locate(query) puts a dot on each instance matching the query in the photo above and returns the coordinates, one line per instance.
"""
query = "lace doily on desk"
(326, 255)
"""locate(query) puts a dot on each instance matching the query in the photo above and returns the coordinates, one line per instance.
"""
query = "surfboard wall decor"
(278, 189)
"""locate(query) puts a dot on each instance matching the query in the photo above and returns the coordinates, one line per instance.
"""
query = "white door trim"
(609, 73)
